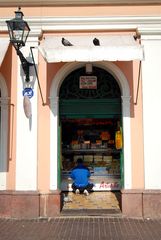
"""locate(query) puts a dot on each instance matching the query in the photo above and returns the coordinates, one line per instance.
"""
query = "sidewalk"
(80, 228)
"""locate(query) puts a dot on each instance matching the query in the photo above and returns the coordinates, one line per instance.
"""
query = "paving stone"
(78, 228)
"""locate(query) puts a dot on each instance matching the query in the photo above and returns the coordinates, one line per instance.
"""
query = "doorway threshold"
(96, 204)
(91, 212)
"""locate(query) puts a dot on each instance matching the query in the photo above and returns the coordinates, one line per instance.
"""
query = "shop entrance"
(91, 128)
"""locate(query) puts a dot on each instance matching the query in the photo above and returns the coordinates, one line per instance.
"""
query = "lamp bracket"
(25, 65)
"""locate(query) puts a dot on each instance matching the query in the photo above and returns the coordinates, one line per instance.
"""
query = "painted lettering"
(104, 185)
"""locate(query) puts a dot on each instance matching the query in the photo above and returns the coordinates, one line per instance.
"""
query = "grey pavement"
(81, 228)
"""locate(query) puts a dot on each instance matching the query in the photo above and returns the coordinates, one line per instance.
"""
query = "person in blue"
(80, 175)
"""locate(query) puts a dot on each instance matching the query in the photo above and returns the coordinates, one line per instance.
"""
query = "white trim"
(127, 141)
(3, 132)
(143, 24)
(54, 93)
(54, 104)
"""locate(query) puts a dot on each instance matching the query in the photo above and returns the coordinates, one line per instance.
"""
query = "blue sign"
(28, 92)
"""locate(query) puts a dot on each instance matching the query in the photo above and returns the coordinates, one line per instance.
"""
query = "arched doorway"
(90, 117)
(54, 117)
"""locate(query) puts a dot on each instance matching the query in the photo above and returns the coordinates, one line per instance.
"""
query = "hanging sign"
(88, 82)
(28, 92)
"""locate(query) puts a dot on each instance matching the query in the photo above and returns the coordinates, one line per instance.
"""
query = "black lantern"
(18, 31)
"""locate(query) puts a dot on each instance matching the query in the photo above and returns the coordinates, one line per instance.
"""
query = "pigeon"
(136, 37)
(65, 42)
(96, 42)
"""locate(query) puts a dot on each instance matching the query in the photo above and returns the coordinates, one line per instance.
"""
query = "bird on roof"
(136, 36)
(96, 42)
(65, 42)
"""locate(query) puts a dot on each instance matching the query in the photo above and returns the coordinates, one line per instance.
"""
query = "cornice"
(76, 2)
(143, 24)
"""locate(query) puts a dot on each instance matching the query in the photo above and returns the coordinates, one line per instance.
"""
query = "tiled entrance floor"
(95, 201)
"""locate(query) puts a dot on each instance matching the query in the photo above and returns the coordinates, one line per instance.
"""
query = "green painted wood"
(85, 108)
(122, 169)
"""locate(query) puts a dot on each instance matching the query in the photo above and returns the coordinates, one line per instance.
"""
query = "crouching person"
(80, 175)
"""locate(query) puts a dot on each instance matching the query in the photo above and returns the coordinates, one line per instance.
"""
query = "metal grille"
(107, 86)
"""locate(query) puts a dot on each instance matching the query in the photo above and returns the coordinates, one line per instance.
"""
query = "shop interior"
(99, 143)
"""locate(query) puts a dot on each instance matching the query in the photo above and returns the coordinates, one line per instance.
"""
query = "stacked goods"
(88, 158)
(115, 167)
(76, 157)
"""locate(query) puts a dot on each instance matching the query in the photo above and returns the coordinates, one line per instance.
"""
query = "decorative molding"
(54, 101)
(126, 99)
(54, 104)
(126, 105)
(142, 24)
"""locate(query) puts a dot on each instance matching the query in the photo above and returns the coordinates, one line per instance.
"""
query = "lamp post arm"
(25, 65)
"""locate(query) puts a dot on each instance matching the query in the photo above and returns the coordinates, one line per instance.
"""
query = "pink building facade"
(30, 148)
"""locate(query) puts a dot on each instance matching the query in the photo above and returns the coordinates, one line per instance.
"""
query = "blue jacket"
(80, 175)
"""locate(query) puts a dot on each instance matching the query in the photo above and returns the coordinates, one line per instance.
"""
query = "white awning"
(112, 48)
(4, 43)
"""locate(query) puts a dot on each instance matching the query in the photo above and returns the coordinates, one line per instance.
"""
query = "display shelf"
(66, 174)
(99, 161)
(90, 151)
(101, 183)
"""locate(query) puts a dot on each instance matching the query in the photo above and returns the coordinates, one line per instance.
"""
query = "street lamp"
(18, 32)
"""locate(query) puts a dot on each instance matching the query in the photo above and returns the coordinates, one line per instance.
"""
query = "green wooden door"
(90, 108)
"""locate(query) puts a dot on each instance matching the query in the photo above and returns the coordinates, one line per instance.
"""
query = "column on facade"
(54, 116)
(151, 81)
(127, 142)
(26, 129)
